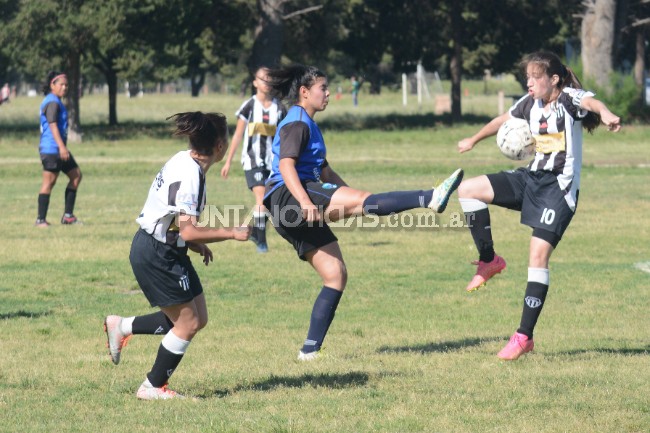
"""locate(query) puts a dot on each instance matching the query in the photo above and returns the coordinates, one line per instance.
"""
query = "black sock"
(70, 197)
(479, 225)
(533, 303)
(260, 227)
(43, 205)
(387, 203)
(152, 324)
(321, 318)
(163, 367)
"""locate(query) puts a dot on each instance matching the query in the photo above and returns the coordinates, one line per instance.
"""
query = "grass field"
(409, 350)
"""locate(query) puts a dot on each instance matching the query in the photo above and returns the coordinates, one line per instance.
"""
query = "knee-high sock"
(387, 203)
(43, 205)
(321, 318)
(170, 354)
(260, 226)
(149, 324)
(70, 198)
(536, 290)
(477, 216)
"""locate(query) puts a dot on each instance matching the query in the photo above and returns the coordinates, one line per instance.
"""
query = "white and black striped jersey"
(178, 188)
(258, 135)
(558, 134)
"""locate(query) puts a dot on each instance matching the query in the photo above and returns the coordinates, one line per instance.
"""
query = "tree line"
(165, 40)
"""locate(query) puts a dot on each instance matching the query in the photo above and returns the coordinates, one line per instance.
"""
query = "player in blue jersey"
(54, 152)
(257, 119)
(159, 259)
(546, 192)
(303, 192)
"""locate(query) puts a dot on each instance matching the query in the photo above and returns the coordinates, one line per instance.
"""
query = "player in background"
(168, 228)
(55, 156)
(304, 192)
(545, 192)
(257, 119)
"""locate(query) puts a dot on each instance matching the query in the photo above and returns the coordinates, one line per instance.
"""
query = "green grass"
(409, 350)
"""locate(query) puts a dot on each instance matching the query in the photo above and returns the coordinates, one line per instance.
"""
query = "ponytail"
(285, 83)
(203, 129)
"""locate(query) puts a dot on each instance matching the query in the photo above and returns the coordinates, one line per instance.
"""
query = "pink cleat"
(485, 271)
(115, 339)
(149, 392)
(517, 346)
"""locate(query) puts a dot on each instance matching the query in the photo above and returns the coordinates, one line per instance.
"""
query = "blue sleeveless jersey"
(310, 161)
(48, 144)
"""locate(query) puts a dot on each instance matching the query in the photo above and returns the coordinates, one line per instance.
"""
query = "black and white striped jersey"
(558, 134)
(258, 135)
(178, 188)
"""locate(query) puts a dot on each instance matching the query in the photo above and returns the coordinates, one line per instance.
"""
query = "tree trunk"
(111, 81)
(269, 35)
(598, 34)
(197, 79)
(73, 71)
(456, 62)
(639, 61)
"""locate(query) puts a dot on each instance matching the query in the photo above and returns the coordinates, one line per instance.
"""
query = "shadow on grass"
(606, 351)
(442, 347)
(325, 380)
(23, 313)
(348, 122)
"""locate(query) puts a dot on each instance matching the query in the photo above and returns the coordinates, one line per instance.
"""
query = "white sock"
(471, 204)
(175, 345)
(126, 325)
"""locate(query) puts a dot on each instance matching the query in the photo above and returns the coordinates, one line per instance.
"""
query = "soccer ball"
(515, 139)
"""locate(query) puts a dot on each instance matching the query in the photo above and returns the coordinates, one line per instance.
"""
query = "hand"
(225, 169)
(241, 233)
(612, 121)
(465, 145)
(310, 213)
(203, 250)
(64, 154)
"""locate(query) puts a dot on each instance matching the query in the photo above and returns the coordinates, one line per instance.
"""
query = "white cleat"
(309, 356)
(444, 190)
(149, 392)
(116, 340)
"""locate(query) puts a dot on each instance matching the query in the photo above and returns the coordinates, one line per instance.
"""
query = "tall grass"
(408, 351)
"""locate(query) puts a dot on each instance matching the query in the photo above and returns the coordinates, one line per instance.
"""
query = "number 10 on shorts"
(548, 215)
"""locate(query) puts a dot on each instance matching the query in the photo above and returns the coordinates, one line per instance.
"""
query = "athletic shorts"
(286, 216)
(537, 195)
(164, 272)
(256, 177)
(53, 162)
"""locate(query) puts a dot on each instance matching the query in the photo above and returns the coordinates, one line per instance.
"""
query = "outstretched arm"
(490, 129)
(191, 232)
(609, 119)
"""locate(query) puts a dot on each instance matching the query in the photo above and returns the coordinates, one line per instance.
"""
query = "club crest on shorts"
(532, 301)
(184, 282)
(258, 176)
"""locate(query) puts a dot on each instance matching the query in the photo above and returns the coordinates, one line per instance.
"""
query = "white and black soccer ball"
(515, 139)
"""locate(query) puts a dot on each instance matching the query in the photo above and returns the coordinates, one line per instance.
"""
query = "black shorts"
(256, 177)
(164, 272)
(537, 195)
(53, 162)
(286, 216)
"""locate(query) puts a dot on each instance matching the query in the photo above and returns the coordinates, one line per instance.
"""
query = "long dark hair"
(550, 64)
(286, 82)
(202, 129)
(48, 81)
